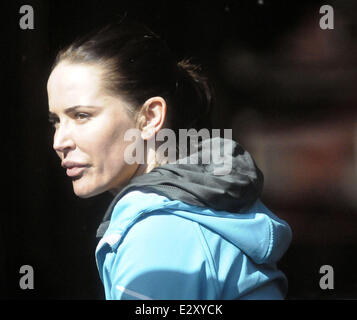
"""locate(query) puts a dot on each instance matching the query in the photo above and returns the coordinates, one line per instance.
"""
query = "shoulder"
(161, 234)
(161, 256)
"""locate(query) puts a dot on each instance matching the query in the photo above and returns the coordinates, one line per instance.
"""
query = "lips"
(74, 169)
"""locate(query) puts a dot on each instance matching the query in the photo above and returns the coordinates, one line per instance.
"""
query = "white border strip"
(133, 293)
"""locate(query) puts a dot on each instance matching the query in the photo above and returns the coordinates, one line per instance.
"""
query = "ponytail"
(193, 98)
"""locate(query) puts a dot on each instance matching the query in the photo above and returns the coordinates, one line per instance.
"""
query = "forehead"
(73, 84)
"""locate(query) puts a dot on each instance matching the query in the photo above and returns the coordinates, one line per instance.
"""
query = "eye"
(82, 116)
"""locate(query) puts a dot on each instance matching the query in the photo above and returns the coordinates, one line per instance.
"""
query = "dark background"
(285, 87)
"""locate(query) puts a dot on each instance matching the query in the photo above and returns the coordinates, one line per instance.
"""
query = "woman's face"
(89, 129)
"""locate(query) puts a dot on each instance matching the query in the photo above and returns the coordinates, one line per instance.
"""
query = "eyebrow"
(71, 109)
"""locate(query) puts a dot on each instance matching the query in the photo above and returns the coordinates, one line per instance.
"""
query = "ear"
(152, 117)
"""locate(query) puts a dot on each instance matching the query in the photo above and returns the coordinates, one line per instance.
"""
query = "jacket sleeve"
(160, 257)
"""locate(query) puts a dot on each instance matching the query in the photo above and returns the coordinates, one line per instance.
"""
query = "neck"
(150, 164)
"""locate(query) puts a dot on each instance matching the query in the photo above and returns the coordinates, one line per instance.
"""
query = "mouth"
(75, 172)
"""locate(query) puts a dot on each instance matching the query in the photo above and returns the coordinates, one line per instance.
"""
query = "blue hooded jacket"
(181, 232)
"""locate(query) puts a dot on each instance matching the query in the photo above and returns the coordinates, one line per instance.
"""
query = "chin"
(83, 191)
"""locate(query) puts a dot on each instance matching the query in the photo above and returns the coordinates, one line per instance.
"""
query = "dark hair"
(138, 65)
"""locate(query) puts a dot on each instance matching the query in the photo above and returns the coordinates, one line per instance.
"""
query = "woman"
(173, 230)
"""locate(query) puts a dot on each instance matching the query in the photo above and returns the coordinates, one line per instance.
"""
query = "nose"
(63, 140)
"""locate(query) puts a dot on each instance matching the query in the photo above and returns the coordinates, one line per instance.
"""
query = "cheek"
(105, 146)
(112, 170)
(102, 144)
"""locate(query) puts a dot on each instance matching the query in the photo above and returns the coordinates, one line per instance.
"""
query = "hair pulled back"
(138, 65)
